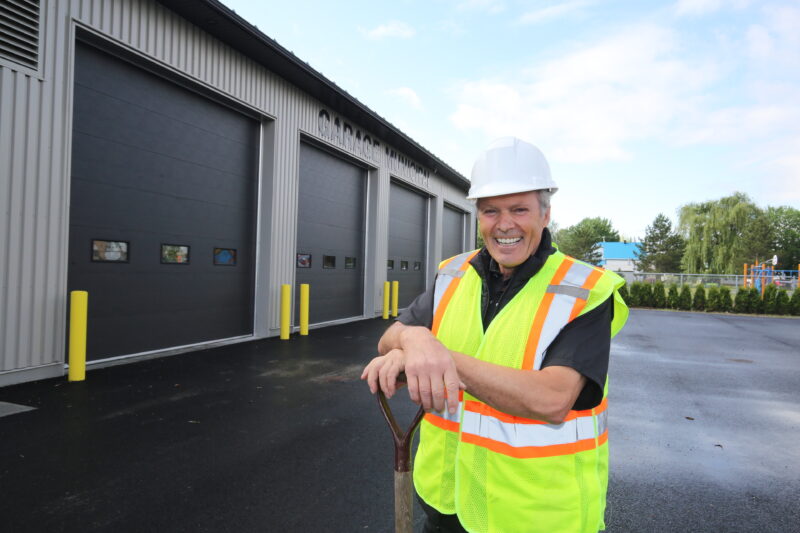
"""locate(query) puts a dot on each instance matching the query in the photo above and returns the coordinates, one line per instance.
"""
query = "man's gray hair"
(544, 199)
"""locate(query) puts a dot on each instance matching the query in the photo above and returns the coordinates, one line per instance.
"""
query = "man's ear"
(547, 217)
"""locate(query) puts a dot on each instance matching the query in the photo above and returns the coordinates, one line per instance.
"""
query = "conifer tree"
(725, 303)
(770, 292)
(662, 247)
(672, 297)
(685, 298)
(794, 302)
(659, 296)
(712, 299)
(782, 302)
(741, 303)
(756, 302)
(699, 300)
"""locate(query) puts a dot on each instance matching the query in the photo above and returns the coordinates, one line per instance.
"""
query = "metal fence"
(708, 280)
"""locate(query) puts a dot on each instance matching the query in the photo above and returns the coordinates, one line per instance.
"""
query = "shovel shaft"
(403, 503)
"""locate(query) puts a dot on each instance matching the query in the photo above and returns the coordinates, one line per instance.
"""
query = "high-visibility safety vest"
(504, 473)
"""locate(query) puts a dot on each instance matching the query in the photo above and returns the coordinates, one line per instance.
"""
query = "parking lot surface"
(282, 436)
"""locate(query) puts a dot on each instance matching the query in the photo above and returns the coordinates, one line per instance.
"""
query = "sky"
(640, 106)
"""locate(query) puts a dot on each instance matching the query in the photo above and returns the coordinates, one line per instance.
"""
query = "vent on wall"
(19, 32)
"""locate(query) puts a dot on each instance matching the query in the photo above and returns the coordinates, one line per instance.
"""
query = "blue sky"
(640, 106)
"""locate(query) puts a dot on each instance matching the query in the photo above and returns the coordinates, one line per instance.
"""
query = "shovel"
(403, 487)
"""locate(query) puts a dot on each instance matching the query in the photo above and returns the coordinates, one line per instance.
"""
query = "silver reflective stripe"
(455, 417)
(521, 435)
(445, 276)
(602, 422)
(569, 290)
(560, 308)
(452, 272)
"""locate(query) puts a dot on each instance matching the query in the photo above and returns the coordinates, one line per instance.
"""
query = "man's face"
(511, 226)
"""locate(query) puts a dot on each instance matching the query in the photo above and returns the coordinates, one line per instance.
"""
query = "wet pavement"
(282, 436)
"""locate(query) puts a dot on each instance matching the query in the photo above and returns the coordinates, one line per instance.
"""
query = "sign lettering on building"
(342, 134)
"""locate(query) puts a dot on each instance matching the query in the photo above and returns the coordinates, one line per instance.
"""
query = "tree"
(672, 297)
(659, 296)
(782, 302)
(794, 302)
(725, 303)
(712, 299)
(699, 300)
(721, 235)
(770, 292)
(685, 298)
(662, 247)
(743, 302)
(785, 223)
(581, 240)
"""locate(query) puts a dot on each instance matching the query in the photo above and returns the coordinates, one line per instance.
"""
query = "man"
(508, 353)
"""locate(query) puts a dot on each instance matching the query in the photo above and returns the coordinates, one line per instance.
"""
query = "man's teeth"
(508, 241)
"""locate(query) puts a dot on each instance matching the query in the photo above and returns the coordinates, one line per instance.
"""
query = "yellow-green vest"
(499, 472)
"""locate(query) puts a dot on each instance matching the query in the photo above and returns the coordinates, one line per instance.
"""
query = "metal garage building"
(180, 166)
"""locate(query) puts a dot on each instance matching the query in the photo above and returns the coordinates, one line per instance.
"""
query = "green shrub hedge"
(714, 299)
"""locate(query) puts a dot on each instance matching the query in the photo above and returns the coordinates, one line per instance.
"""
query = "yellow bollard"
(395, 297)
(304, 309)
(386, 290)
(78, 310)
(744, 278)
(286, 310)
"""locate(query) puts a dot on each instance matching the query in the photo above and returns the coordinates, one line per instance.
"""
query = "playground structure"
(760, 275)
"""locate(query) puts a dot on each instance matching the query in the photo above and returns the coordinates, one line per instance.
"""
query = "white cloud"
(553, 11)
(490, 6)
(760, 43)
(588, 104)
(407, 95)
(394, 28)
(705, 7)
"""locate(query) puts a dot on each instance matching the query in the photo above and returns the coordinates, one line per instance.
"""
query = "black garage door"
(162, 210)
(408, 223)
(330, 234)
(452, 232)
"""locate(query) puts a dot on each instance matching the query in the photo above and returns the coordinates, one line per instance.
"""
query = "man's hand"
(430, 370)
(383, 370)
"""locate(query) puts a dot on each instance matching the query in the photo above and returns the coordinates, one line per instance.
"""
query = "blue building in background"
(619, 256)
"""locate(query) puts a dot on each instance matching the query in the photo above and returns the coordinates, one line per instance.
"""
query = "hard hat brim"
(500, 189)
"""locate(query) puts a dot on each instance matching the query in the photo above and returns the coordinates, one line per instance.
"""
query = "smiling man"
(508, 353)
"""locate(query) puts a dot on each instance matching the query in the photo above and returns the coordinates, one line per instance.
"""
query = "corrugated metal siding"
(35, 120)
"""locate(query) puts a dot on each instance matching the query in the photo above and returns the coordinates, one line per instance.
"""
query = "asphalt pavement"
(282, 436)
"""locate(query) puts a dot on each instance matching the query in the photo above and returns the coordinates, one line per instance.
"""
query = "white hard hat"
(510, 165)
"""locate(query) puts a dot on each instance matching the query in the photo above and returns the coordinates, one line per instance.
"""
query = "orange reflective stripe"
(532, 452)
(541, 314)
(483, 409)
(442, 423)
(589, 284)
(448, 293)
(589, 412)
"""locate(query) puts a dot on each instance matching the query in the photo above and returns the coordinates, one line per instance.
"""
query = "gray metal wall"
(36, 143)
